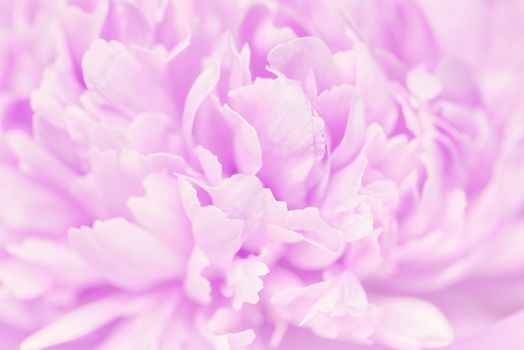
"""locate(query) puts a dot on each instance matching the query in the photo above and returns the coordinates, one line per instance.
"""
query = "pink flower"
(190, 174)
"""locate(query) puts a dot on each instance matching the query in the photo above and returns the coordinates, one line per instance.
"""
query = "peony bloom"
(294, 174)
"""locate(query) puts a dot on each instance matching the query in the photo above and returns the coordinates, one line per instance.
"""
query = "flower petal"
(126, 255)
(290, 135)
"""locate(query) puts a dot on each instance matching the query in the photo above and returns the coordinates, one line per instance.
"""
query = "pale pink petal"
(196, 286)
(246, 146)
(22, 200)
(240, 197)
(56, 259)
(201, 88)
(210, 164)
(35, 160)
(146, 330)
(243, 282)
(118, 78)
(353, 136)
(152, 133)
(423, 84)
(289, 133)
(126, 255)
(126, 23)
(411, 323)
(162, 212)
(333, 106)
(298, 57)
(82, 321)
(217, 235)
(22, 281)
(315, 230)
(114, 177)
(234, 341)
(504, 334)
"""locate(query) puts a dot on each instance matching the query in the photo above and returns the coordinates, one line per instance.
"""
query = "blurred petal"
(126, 255)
